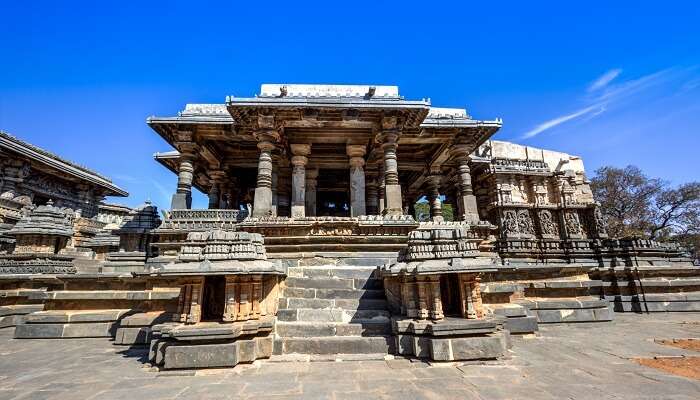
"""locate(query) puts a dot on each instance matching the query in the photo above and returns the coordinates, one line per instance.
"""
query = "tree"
(636, 205)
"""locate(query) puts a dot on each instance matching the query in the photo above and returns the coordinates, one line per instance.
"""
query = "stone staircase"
(330, 312)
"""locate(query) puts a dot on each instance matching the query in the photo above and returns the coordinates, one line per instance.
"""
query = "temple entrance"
(333, 193)
(450, 295)
(213, 303)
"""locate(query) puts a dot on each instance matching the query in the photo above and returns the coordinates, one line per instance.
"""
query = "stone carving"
(548, 225)
(573, 226)
(525, 225)
(599, 223)
(510, 222)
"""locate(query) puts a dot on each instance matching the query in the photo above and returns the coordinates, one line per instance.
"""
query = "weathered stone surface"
(131, 336)
(201, 356)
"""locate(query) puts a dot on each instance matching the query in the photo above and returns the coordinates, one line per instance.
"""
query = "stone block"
(246, 350)
(9, 321)
(338, 345)
(39, 331)
(475, 348)
(349, 294)
(91, 329)
(603, 314)
(404, 345)
(527, 324)
(294, 302)
(318, 283)
(422, 346)
(263, 347)
(323, 315)
(200, 356)
(305, 329)
(132, 336)
(287, 315)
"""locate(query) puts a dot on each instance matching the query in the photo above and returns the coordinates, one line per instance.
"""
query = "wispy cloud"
(603, 93)
(598, 108)
(604, 80)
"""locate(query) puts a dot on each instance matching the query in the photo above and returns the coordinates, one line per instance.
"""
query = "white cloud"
(604, 79)
(598, 108)
(606, 94)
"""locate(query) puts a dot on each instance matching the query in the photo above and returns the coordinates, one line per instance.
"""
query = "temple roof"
(47, 158)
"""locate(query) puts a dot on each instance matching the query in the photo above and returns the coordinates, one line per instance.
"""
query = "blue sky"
(617, 84)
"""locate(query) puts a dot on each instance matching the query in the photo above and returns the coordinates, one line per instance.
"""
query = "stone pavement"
(583, 361)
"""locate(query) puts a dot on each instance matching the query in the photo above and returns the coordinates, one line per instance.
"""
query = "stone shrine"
(311, 247)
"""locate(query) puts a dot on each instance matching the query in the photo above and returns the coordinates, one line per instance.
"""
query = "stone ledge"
(64, 331)
(134, 295)
(67, 317)
(20, 309)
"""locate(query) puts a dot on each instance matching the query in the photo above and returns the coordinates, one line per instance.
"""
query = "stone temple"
(312, 246)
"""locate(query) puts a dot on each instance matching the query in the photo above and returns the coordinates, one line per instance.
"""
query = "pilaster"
(357, 179)
(299, 161)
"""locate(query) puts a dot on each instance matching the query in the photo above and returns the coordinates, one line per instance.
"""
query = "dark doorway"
(450, 295)
(333, 193)
(213, 298)
(333, 204)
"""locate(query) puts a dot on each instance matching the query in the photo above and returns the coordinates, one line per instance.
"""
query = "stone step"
(334, 294)
(335, 345)
(330, 315)
(345, 304)
(334, 283)
(334, 272)
(318, 329)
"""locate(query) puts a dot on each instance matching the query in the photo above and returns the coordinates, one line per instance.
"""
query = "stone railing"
(509, 165)
(203, 219)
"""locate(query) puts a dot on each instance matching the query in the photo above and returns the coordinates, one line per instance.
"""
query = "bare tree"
(636, 205)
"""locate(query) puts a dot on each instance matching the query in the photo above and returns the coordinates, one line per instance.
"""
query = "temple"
(313, 244)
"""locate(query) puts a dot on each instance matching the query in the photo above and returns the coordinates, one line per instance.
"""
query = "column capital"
(461, 151)
(300, 149)
(299, 161)
(356, 150)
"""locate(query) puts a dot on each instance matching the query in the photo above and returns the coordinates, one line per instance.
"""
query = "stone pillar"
(273, 188)
(434, 198)
(262, 202)
(381, 204)
(392, 190)
(467, 200)
(372, 196)
(299, 161)
(213, 195)
(182, 199)
(357, 179)
(310, 189)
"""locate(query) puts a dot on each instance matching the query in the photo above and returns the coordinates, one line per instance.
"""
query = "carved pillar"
(467, 200)
(216, 178)
(392, 190)
(436, 312)
(372, 196)
(382, 190)
(311, 177)
(357, 180)
(299, 161)
(13, 175)
(262, 202)
(182, 199)
(273, 188)
(434, 198)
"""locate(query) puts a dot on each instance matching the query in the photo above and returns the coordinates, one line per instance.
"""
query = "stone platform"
(582, 361)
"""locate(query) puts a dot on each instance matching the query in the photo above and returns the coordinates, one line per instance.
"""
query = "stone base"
(518, 318)
(136, 329)
(69, 324)
(452, 339)
(210, 344)
(12, 315)
(656, 302)
(582, 309)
